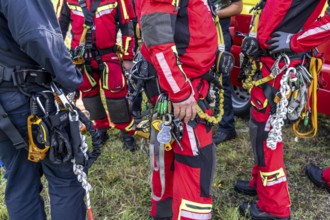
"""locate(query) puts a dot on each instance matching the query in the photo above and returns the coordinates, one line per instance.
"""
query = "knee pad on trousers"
(205, 161)
(257, 137)
(162, 209)
(95, 107)
(119, 110)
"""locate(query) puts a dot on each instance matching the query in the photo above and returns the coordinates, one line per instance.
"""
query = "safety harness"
(297, 87)
(162, 129)
(86, 51)
(51, 132)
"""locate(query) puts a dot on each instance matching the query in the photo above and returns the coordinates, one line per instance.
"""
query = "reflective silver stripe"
(314, 31)
(158, 28)
(80, 13)
(192, 140)
(104, 12)
(167, 72)
(196, 216)
(279, 180)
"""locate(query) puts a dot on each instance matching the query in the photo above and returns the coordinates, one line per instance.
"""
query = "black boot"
(251, 210)
(243, 187)
(104, 136)
(129, 142)
(137, 117)
(314, 173)
(221, 136)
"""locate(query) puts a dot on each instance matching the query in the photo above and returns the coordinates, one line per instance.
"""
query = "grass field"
(120, 179)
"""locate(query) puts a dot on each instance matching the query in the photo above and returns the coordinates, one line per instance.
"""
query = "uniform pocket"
(258, 99)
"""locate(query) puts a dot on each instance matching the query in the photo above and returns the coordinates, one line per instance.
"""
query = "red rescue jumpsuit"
(268, 173)
(181, 42)
(109, 15)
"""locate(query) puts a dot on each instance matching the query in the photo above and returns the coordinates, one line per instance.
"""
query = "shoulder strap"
(89, 15)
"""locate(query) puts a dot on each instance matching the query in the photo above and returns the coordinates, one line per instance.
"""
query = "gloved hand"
(280, 42)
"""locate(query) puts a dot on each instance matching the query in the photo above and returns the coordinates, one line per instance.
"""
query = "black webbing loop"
(10, 130)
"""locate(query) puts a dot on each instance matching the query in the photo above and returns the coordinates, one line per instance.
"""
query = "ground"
(120, 179)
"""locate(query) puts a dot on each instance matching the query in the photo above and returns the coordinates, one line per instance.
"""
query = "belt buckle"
(2, 71)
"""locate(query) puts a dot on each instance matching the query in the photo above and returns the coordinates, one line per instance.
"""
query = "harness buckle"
(275, 69)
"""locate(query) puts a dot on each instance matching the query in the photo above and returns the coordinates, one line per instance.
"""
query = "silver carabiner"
(167, 119)
(275, 69)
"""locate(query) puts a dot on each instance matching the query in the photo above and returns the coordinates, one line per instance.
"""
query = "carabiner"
(167, 119)
(275, 69)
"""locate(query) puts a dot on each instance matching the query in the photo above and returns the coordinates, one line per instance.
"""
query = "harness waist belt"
(113, 49)
(18, 76)
(291, 55)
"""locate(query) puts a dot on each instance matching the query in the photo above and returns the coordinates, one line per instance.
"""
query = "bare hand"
(185, 110)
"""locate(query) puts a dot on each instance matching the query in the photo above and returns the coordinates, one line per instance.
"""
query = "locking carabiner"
(275, 69)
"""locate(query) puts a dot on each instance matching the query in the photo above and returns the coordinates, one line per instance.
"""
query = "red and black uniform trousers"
(106, 76)
(182, 189)
(326, 176)
(268, 173)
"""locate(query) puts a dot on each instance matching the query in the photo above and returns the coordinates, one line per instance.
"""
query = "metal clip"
(275, 69)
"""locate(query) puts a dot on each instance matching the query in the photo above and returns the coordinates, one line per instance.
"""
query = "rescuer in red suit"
(104, 62)
(269, 180)
(180, 41)
(311, 36)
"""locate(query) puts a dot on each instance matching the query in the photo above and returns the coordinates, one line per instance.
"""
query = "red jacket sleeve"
(313, 35)
(271, 16)
(158, 27)
(127, 14)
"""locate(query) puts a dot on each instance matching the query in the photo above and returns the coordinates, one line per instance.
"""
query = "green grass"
(120, 179)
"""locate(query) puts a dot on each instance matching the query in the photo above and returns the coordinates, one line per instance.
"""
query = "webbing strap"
(89, 15)
(6, 73)
(10, 130)
(160, 167)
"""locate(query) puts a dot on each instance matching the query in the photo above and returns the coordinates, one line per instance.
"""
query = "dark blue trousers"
(23, 185)
(227, 123)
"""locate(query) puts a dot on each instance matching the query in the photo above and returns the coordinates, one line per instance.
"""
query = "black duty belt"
(108, 50)
(21, 76)
(291, 55)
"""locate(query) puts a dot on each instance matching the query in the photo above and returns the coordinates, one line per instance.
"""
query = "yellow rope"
(315, 69)
(217, 118)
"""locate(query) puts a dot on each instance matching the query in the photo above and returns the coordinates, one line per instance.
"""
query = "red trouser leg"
(115, 90)
(272, 187)
(187, 188)
(90, 90)
(326, 175)
(162, 186)
(255, 172)
(193, 172)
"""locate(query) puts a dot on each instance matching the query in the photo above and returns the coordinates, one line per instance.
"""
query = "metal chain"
(79, 171)
(277, 119)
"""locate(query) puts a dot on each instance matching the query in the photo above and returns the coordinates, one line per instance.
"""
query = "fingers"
(185, 111)
(271, 41)
(276, 34)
